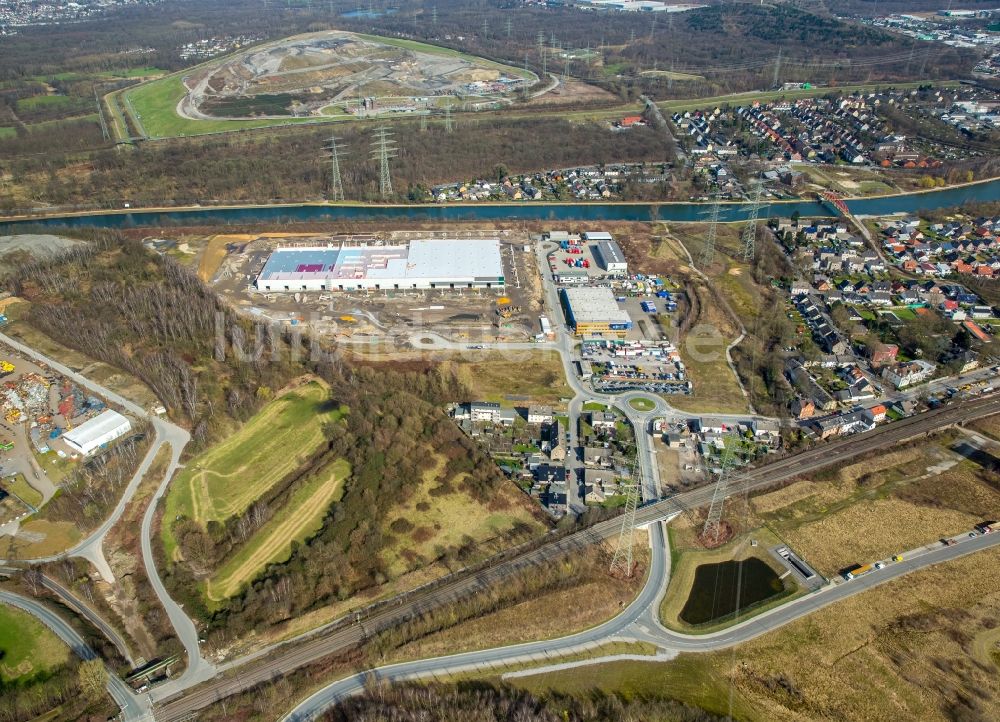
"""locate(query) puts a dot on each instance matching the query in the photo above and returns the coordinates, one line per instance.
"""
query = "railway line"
(355, 629)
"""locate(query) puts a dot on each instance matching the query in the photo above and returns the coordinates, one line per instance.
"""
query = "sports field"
(298, 520)
(27, 647)
(225, 480)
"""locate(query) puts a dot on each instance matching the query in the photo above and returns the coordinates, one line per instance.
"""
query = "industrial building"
(610, 257)
(91, 435)
(419, 264)
(595, 312)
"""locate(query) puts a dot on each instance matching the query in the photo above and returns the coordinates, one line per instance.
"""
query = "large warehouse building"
(610, 257)
(595, 312)
(421, 264)
(86, 438)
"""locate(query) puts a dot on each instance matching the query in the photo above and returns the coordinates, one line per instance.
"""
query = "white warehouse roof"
(595, 304)
(99, 430)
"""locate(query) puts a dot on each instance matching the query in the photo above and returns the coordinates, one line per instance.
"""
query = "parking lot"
(635, 367)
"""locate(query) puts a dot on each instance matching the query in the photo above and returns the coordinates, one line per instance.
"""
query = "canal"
(555, 212)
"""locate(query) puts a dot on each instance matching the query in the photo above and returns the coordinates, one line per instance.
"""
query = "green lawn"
(51, 101)
(27, 648)
(299, 519)
(19, 487)
(642, 404)
(7, 132)
(154, 106)
(225, 480)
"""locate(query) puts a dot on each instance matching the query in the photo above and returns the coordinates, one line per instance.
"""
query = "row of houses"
(965, 248)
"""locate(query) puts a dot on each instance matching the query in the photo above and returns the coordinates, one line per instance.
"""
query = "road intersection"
(640, 621)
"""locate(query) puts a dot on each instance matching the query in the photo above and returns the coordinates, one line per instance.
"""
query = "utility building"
(86, 438)
(594, 312)
(610, 257)
(421, 264)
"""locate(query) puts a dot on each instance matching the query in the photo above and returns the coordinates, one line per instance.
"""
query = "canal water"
(555, 212)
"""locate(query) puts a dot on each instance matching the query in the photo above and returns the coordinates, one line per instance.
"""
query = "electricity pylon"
(749, 239)
(384, 148)
(708, 252)
(711, 529)
(622, 560)
(448, 126)
(777, 68)
(508, 27)
(334, 153)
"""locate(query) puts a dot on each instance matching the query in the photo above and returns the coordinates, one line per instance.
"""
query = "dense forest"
(473, 701)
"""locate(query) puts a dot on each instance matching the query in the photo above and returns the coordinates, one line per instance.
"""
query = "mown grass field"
(155, 104)
(27, 647)
(229, 477)
(300, 518)
(19, 487)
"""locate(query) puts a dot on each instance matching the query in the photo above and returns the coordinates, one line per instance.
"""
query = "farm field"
(229, 477)
(903, 649)
(28, 650)
(300, 518)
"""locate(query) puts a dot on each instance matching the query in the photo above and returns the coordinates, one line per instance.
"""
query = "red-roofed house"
(976, 331)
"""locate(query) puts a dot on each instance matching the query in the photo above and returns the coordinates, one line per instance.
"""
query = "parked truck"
(858, 571)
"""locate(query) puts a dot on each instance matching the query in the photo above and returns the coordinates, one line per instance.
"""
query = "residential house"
(539, 414)
(906, 374)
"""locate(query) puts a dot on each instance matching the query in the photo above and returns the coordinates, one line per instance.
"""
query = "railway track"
(305, 650)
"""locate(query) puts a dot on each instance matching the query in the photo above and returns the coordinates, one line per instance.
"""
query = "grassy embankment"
(687, 555)
(225, 480)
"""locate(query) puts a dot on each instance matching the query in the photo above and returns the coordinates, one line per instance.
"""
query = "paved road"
(91, 548)
(336, 638)
(639, 622)
(132, 707)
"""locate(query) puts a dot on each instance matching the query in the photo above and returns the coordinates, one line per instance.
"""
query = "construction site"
(335, 72)
(388, 291)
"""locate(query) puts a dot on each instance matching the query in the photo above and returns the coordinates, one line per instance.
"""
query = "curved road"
(639, 622)
(132, 706)
(91, 548)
